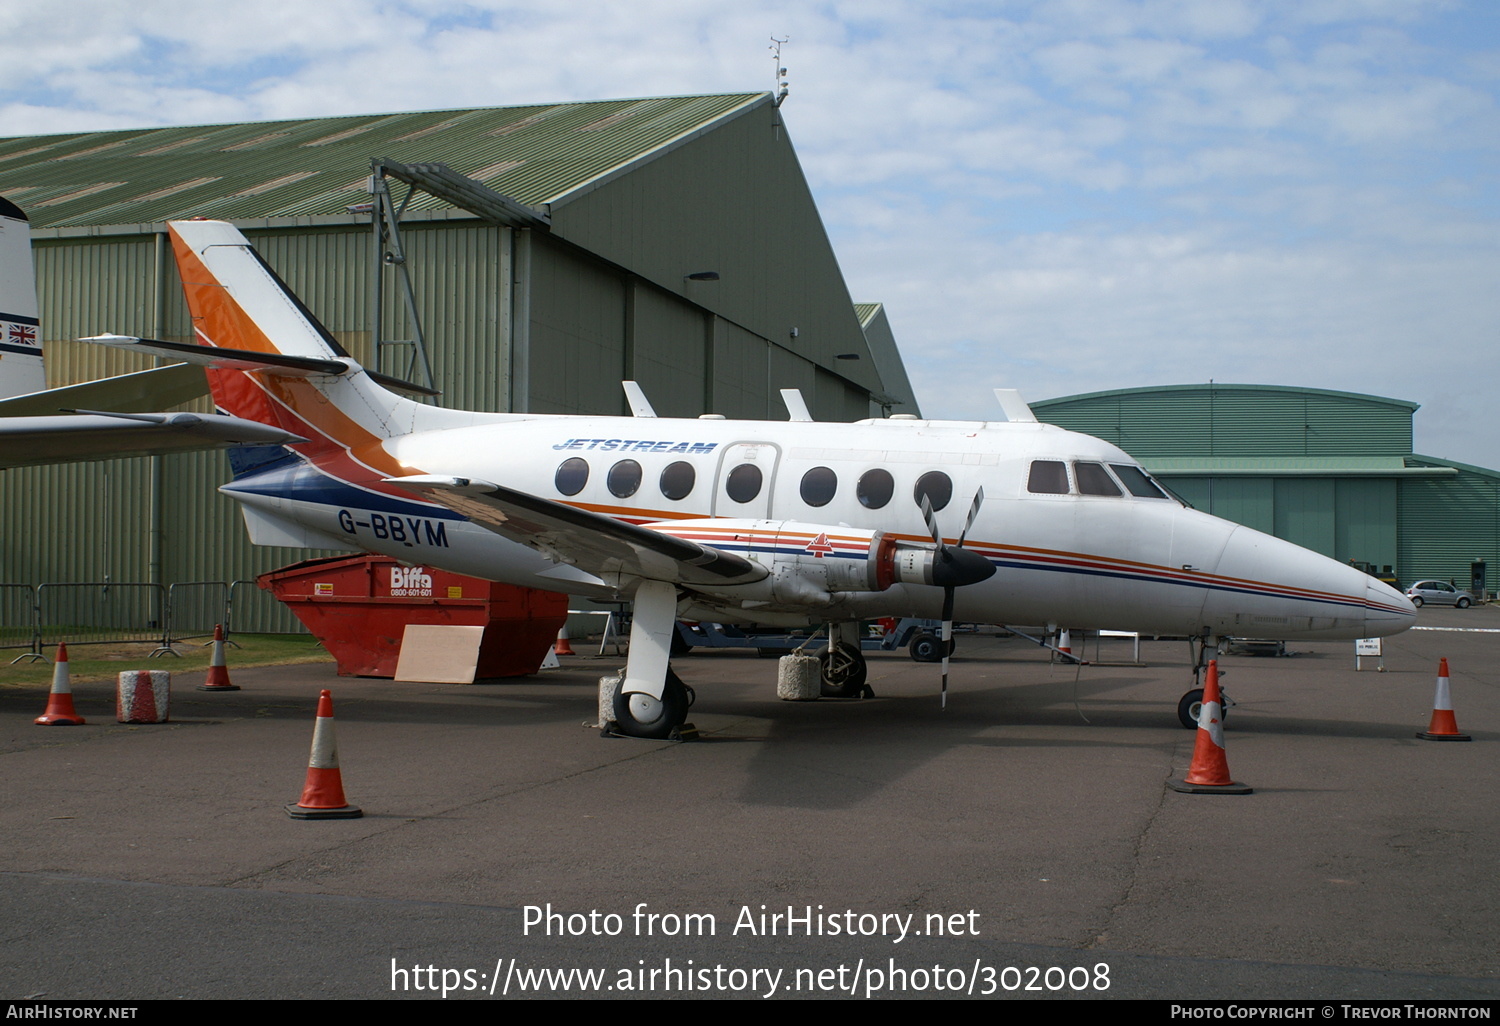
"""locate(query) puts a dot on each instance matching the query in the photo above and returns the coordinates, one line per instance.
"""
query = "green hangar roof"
(1237, 421)
(310, 168)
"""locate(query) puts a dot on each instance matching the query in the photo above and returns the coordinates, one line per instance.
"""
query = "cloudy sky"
(1060, 195)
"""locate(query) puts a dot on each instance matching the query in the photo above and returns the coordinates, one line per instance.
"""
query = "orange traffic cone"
(60, 712)
(1444, 727)
(323, 794)
(218, 672)
(1209, 773)
(562, 647)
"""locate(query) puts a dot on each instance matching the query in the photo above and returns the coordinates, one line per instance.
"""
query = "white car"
(1438, 594)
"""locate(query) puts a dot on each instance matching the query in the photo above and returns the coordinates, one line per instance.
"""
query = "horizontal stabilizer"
(592, 542)
(220, 358)
(25, 441)
(156, 389)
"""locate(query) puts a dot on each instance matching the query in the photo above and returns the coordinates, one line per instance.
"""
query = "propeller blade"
(973, 515)
(931, 518)
(947, 638)
(954, 568)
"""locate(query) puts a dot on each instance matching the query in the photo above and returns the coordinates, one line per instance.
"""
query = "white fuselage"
(1140, 562)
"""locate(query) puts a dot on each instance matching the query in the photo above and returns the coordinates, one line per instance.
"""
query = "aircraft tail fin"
(269, 359)
(21, 369)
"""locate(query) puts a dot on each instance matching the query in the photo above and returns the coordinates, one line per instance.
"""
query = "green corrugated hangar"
(552, 251)
(1331, 471)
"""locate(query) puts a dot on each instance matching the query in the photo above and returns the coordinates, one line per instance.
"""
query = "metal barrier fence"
(194, 608)
(101, 613)
(33, 618)
(18, 623)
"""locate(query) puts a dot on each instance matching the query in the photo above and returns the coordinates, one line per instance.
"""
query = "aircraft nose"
(1387, 611)
(1273, 588)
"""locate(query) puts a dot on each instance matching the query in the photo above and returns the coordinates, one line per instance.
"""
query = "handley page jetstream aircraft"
(33, 428)
(780, 524)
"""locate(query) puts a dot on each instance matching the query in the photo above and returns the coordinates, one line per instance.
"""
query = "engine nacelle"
(811, 564)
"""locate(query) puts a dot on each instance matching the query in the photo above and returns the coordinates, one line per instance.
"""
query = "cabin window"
(743, 483)
(572, 476)
(624, 478)
(938, 488)
(875, 488)
(818, 486)
(678, 479)
(1137, 482)
(1093, 479)
(1048, 477)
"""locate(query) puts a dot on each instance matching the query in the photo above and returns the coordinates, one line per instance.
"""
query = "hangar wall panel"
(92, 287)
(834, 399)
(1195, 491)
(77, 523)
(741, 373)
(667, 350)
(1447, 523)
(1346, 518)
(788, 370)
(1365, 529)
(1248, 501)
(1305, 513)
(578, 353)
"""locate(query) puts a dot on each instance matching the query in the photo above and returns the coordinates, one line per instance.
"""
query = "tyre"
(928, 648)
(640, 715)
(844, 672)
(1191, 705)
(1462, 603)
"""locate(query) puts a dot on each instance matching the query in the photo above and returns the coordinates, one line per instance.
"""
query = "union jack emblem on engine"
(23, 334)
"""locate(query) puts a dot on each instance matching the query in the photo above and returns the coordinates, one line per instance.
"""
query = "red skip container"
(359, 606)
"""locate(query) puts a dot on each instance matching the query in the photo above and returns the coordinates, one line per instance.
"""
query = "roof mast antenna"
(781, 84)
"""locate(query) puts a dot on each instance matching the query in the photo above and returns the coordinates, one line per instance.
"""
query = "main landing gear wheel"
(928, 648)
(1192, 704)
(844, 672)
(639, 715)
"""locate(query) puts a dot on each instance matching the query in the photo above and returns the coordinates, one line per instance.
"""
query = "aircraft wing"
(594, 543)
(25, 441)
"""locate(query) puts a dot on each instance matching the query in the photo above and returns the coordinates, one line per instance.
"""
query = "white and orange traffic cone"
(323, 794)
(1065, 643)
(562, 647)
(60, 712)
(1209, 773)
(218, 671)
(1443, 726)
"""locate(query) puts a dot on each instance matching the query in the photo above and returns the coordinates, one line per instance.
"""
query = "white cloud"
(1063, 196)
